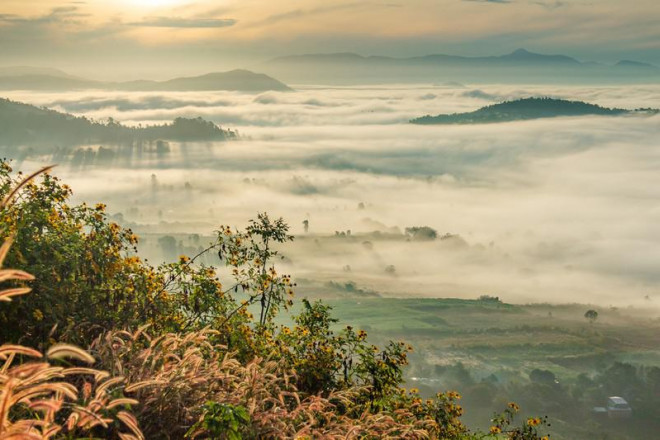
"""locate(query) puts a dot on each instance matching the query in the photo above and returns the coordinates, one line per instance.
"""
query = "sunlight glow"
(156, 3)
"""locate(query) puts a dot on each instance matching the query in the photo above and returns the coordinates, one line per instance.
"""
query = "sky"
(111, 38)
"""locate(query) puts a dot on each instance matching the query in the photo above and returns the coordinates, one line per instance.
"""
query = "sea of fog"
(556, 210)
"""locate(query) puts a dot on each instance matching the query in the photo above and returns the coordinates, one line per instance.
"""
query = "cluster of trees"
(24, 124)
(569, 401)
(179, 352)
(521, 109)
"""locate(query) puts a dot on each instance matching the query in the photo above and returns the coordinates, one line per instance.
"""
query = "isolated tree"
(591, 315)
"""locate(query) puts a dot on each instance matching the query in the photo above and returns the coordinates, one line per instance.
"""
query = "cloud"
(176, 22)
(561, 209)
(123, 104)
(296, 14)
(56, 15)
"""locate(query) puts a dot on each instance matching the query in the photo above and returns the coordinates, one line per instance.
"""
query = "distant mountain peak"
(525, 55)
(34, 71)
(28, 78)
(631, 63)
(522, 52)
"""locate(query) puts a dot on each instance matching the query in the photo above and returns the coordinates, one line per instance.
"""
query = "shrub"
(202, 365)
(86, 281)
(38, 400)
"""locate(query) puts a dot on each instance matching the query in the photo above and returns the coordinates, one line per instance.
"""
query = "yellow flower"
(534, 421)
(495, 430)
(37, 315)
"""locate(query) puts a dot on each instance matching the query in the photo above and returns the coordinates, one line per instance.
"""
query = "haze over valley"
(330, 219)
(546, 210)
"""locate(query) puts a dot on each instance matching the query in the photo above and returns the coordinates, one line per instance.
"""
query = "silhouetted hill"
(29, 70)
(236, 80)
(24, 124)
(635, 64)
(525, 56)
(524, 109)
(46, 82)
(518, 56)
(519, 65)
(26, 78)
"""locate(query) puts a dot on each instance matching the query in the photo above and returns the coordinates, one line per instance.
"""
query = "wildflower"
(38, 315)
(495, 430)
(534, 421)
(454, 395)
(514, 406)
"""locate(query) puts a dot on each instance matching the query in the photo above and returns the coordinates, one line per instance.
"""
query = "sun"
(156, 3)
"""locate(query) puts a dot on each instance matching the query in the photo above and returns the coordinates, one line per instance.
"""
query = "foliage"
(86, 281)
(326, 361)
(27, 124)
(89, 280)
(250, 253)
(38, 400)
(591, 315)
(220, 420)
(527, 430)
(175, 376)
(202, 365)
(422, 233)
(522, 109)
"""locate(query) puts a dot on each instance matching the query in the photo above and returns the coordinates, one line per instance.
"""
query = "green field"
(487, 350)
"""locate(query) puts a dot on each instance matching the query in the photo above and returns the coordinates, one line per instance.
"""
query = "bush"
(39, 400)
(199, 364)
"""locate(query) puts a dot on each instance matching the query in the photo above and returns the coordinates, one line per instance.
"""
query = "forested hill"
(31, 78)
(24, 124)
(522, 109)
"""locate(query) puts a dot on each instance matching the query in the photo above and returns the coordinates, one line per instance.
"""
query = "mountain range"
(518, 66)
(35, 78)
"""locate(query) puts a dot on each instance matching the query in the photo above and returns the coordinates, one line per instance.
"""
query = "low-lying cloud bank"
(550, 210)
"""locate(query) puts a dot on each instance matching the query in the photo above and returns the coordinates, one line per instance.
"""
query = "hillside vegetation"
(24, 124)
(524, 109)
(177, 351)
